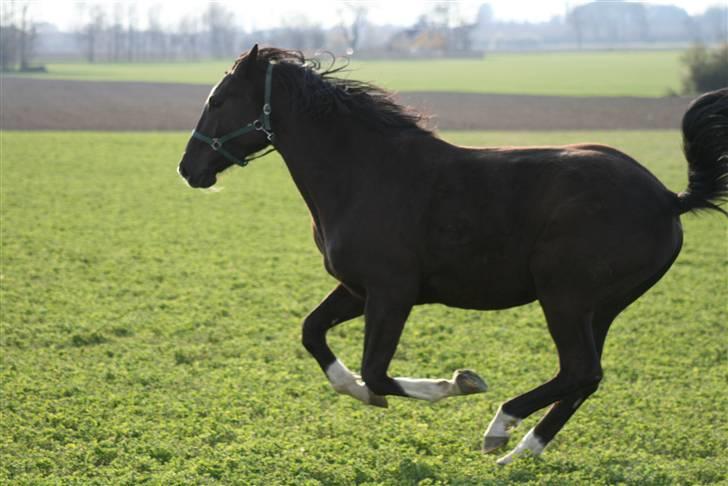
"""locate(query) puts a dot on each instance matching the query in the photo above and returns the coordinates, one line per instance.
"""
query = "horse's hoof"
(377, 400)
(493, 443)
(469, 382)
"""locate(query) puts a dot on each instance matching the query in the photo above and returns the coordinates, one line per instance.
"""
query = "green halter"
(260, 124)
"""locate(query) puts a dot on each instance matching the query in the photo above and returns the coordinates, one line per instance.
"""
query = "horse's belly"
(478, 288)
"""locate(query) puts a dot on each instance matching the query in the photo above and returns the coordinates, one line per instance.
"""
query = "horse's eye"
(215, 102)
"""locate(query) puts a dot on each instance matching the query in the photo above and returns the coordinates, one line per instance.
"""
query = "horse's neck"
(331, 166)
(321, 167)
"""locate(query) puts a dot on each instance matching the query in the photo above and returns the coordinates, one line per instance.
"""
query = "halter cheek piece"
(260, 124)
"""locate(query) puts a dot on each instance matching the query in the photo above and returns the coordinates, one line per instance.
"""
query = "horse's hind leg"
(579, 370)
(339, 306)
(561, 411)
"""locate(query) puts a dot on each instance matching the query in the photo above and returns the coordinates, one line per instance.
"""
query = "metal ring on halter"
(266, 109)
(215, 144)
(260, 127)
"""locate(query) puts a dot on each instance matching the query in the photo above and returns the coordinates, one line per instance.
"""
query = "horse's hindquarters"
(589, 261)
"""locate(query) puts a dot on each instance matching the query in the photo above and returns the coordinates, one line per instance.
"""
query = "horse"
(404, 218)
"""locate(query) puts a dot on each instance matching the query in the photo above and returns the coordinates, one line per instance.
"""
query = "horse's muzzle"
(203, 180)
(181, 171)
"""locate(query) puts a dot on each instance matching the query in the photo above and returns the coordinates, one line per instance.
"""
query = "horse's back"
(593, 174)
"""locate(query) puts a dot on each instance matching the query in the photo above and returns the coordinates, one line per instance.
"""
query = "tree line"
(132, 31)
(17, 36)
(115, 34)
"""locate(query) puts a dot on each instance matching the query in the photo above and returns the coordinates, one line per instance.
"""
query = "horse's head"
(235, 122)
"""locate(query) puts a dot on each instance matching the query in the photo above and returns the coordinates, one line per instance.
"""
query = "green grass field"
(151, 333)
(626, 73)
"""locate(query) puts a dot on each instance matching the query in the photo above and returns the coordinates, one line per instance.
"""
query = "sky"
(261, 14)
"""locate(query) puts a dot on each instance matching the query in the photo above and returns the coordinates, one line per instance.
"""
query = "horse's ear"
(245, 68)
(253, 55)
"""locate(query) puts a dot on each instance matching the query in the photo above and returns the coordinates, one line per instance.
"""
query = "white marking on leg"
(530, 443)
(463, 382)
(501, 424)
(346, 382)
(426, 389)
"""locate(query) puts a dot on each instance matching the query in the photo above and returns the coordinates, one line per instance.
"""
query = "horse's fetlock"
(377, 384)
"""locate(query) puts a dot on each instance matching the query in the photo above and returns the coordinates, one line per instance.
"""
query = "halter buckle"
(267, 109)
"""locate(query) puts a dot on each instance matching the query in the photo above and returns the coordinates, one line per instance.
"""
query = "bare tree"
(575, 18)
(353, 19)
(219, 21)
(23, 51)
(298, 32)
(445, 21)
(156, 38)
(18, 35)
(188, 30)
(90, 34)
(131, 31)
(117, 32)
(8, 36)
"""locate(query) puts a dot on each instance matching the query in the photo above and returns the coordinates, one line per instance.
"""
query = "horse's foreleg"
(463, 382)
(339, 306)
(386, 313)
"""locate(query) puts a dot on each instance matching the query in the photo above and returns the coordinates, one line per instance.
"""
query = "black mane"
(317, 91)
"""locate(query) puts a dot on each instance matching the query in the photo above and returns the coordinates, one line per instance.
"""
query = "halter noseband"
(260, 124)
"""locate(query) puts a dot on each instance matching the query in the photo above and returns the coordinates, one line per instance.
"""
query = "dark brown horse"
(403, 218)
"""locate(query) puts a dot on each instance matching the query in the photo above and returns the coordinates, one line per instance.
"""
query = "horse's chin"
(204, 181)
(208, 183)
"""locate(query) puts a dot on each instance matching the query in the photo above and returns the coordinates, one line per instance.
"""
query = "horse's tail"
(705, 143)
